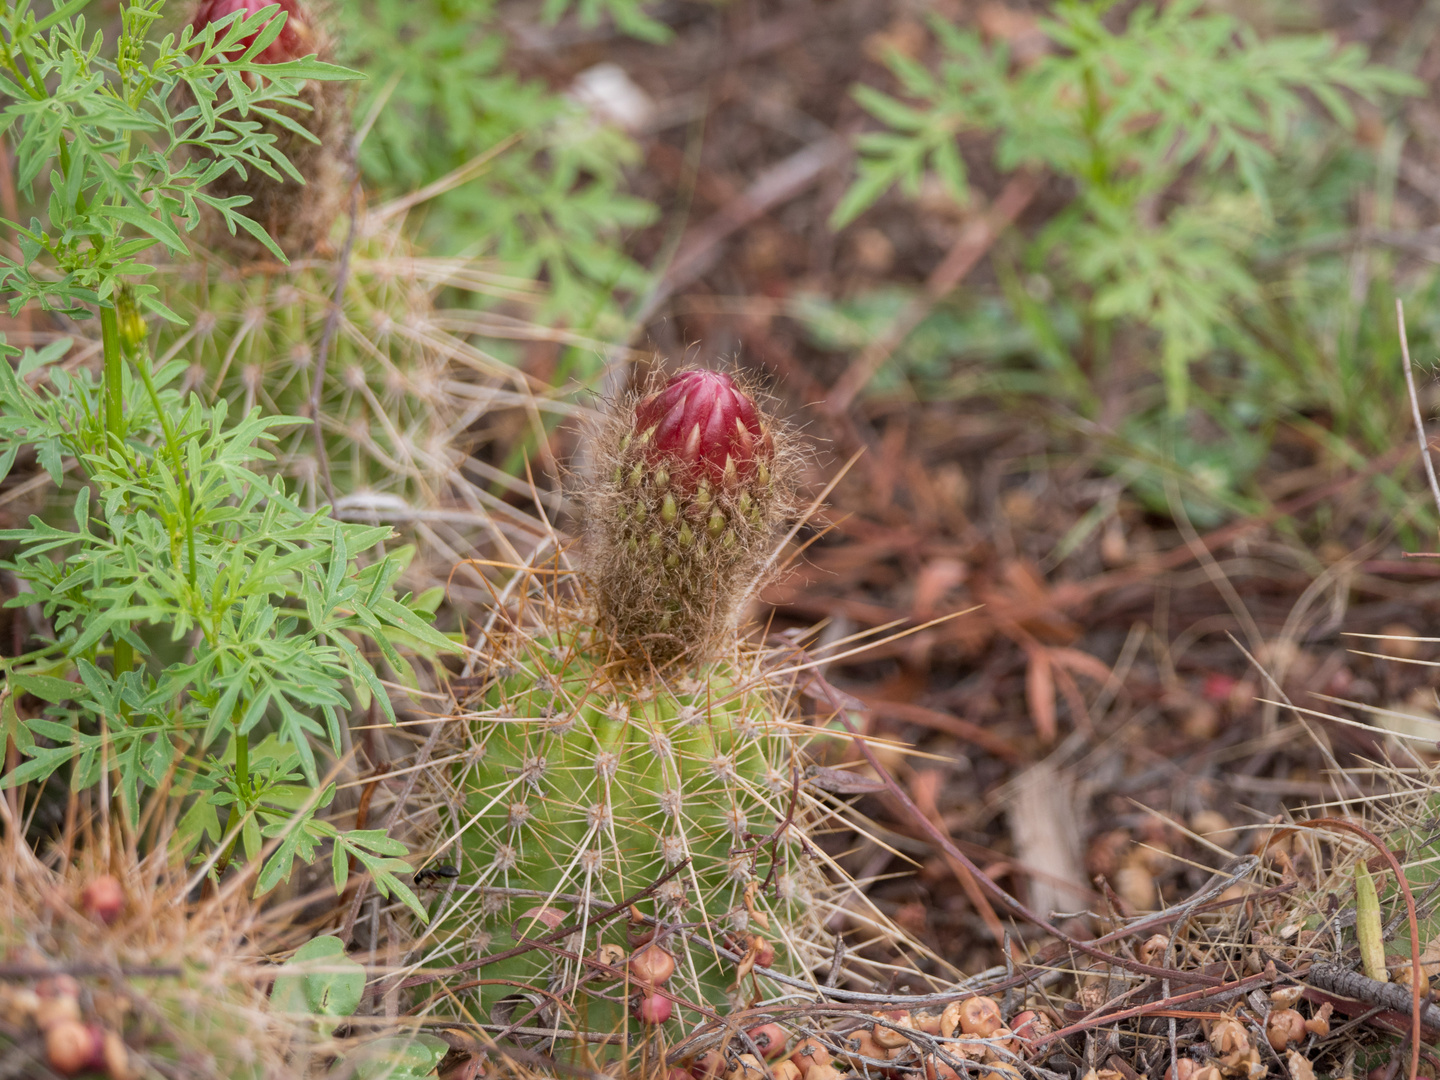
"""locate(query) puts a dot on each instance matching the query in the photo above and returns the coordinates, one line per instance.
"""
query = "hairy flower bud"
(695, 478)
(294, 40)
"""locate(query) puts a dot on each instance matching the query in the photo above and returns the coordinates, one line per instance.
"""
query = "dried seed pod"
(785, 1070)
(1030, 1025)
(1283, 1027)
(763, 949)
(1001, 1071)
(709, 1065)
(809, 1053)
(651, 965)
(72, 1048)
(1207, 1072)
(1230, 1041)
(935, 1069)
(1299, 1066)
(1285, 997)
(103, 899)
(928, 1022)
(950, 1019)
(1001, 1045)
(769, 1038)
(1152, 949)
(886, 1036)
(1184, 1069)
(746, 1067)
(859, 1046)
(610, 955)
(1319, 1024)
(980, 1016)
(652, 1008)
(823, 1072)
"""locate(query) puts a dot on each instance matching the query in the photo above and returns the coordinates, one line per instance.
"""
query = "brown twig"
(1210, 993)
(1388, 996)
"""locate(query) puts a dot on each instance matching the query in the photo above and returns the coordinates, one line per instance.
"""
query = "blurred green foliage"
(551, 202)
(1206, 266)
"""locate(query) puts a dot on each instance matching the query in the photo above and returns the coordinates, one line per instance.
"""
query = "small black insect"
(431, 874)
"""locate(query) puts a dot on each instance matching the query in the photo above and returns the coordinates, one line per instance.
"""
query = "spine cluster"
(695, 480)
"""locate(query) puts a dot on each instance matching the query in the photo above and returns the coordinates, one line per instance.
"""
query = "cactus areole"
(696, 480)
(293, 41)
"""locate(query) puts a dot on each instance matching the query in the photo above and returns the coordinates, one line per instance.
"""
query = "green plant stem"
(241, 803)
(177, 460)
(124, 652)
(242, 765)
(114, 375)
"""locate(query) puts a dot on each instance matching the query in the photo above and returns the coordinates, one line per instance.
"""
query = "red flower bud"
(700, 424)
(294, 41)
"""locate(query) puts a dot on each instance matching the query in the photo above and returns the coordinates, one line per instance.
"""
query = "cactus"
(399, 385)
(296, 213)
(594, 782)
(601, 762)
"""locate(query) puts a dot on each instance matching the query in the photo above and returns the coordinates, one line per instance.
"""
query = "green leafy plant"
(628, 15)
(319, 979)
(191, 606)
(101, 134)
(1167, 122)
